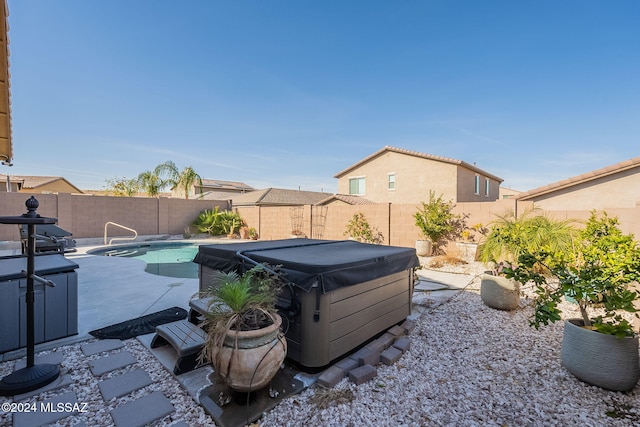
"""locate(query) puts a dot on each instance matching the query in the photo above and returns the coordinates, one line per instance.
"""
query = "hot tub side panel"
(348, 317)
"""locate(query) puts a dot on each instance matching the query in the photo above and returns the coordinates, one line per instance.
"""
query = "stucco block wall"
(85, 216)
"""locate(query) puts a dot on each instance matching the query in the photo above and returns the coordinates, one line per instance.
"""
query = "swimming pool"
(172, 259)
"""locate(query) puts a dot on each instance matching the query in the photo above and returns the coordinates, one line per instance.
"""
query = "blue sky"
(288, 93)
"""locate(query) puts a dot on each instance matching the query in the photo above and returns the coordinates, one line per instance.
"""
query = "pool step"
(122, 252)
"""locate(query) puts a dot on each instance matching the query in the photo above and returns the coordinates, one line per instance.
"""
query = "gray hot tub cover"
(331, 264)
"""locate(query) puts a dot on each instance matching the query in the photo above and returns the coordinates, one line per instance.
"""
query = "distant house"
(395, 175)
(508, 193)
(615, 186)
(38, 184)
(278, 197)
(215, 189)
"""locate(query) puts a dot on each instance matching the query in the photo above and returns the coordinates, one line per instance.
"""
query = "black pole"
(31, 295)
(31, 377)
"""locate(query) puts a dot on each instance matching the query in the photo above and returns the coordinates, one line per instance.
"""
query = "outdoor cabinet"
(55, 308)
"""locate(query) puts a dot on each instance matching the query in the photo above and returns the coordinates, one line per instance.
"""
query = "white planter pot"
(499, 292)
(424, 247)
(600, 359)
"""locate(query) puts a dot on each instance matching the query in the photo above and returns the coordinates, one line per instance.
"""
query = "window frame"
(358, 180)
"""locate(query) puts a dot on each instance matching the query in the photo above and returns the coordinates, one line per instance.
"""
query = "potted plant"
(508, 238)
(600, 275)
(245, 343)
(436, 221)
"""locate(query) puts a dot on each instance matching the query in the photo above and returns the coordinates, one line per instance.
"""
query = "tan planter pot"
(424, 247)
(249, 360)
(600, 359)
(499, 292)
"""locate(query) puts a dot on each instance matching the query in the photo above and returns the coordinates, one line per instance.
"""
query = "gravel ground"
(468, 365)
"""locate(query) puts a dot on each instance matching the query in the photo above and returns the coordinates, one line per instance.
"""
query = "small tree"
(600, 271)
(358, 228)
(436, 219)
(123, 187)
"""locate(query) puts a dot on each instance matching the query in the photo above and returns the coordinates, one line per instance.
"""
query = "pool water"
(166, 259)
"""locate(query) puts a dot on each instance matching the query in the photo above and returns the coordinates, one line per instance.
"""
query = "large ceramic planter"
(248, 360)
(424, 247)
(499, 292)
(600, 359)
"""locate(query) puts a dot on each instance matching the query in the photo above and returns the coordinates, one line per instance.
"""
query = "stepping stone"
(424, 285)
(179, 424)
(112, 362)
(100, 346)
(124, 384)
(43, 416)
(62, 381)
(143, 411)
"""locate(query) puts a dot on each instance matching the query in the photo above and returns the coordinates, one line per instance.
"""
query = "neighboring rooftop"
(387, 148)
(580, 179)
(219, 185)
(346, 198)
(278, 196)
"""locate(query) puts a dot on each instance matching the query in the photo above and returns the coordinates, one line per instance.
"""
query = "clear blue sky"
(288, 93)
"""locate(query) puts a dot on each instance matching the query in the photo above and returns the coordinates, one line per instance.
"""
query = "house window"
(391, 181)
(357, 186)
(476, 188)
(486, 187)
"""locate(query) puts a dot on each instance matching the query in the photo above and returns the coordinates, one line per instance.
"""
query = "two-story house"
(395, 175)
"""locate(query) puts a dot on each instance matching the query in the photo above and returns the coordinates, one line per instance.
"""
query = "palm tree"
(186, 179)
(151, 183)
(182, 181)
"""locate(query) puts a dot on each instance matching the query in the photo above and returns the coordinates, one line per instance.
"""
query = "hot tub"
(344, 292)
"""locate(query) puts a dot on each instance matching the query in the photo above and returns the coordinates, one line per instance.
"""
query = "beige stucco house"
(615, 186)
(38, 184)
(395, 175)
